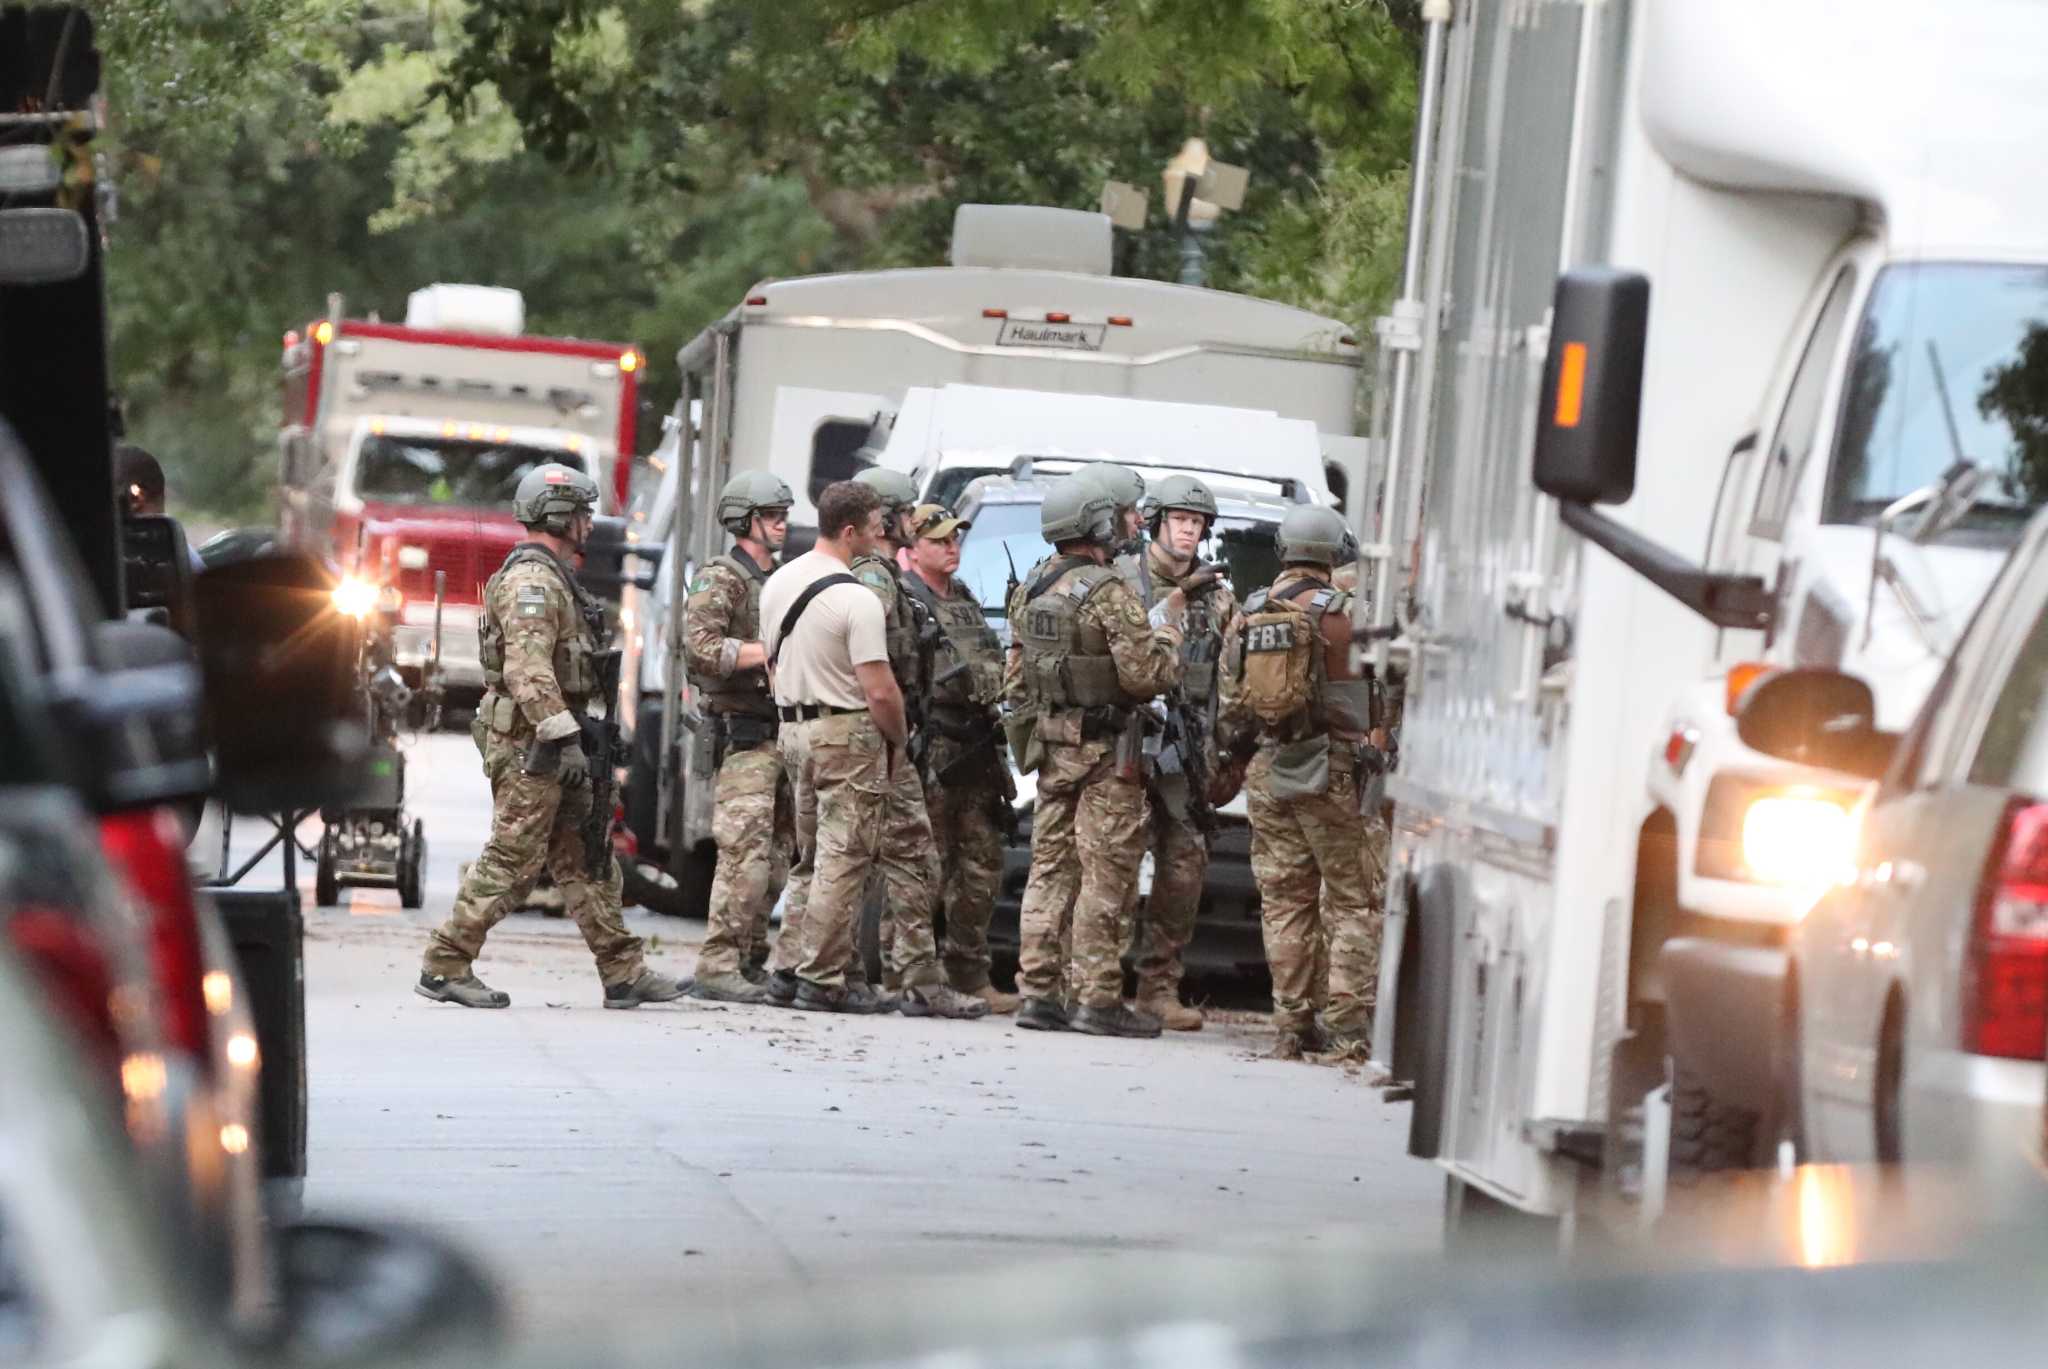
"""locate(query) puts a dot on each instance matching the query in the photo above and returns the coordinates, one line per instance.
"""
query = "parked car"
(1907, 1014)
(1003, 510)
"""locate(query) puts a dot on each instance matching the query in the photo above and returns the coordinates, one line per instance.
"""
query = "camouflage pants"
(752, 825)
(533, 824)
(970, 854)
(1180, 863)
(1321, 869)
(839, 769)
(1087, 838)
(908, 873)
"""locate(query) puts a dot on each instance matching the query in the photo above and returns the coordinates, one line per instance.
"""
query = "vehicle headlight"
(355, 598)
(1798, 839)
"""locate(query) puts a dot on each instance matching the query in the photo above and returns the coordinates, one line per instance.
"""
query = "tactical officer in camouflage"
(754, 823)
(909, 861)
(1179, 517)
(1083, 661)
(969, 788)
(1319, 841)
(539, 635)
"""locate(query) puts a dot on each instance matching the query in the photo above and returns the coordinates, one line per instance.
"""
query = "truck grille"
(468, 559)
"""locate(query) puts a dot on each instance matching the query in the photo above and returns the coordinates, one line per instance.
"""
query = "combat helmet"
(1120, 483)
(747, 494)
(1182, 492)
(1316, 535)
(1077, 510)
(549, 496)
(898, 494)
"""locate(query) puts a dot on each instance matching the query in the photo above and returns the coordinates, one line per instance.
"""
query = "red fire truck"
(402, 444)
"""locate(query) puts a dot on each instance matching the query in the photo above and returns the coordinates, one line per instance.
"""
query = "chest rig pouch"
(1067, 665)
(965, 640)
(575, 651)
(743, 691)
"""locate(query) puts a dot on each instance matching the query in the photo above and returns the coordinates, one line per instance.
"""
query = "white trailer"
(805, 377)
(1840, 263)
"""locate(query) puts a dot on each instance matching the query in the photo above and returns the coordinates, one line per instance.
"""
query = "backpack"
(1282, 651)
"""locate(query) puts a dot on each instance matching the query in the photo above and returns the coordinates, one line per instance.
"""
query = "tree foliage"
(634, 165)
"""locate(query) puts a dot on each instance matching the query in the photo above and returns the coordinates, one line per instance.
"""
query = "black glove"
(541, 758)
(1202, 582)
(574, 771)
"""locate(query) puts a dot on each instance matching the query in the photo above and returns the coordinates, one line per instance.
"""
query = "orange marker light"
(1740, 678)
(323, 332)
(1571, 385)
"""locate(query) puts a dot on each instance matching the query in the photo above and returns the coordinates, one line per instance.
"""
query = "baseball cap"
(936, 521)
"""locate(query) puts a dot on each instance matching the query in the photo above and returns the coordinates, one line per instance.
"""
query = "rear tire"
(412, 867)
(694, 871)
(326, 886)
(643, 889)
(1709, 1136)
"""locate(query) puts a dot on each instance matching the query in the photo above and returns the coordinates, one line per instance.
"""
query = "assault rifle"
(916, 702)
(982, 745)
(1188, 730)
(603, 747)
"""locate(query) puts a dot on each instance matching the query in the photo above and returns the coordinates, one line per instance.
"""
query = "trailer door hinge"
(1580, 1141)
(1400, 330)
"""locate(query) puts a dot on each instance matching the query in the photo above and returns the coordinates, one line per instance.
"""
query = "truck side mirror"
(605, 551)
(278, 659)
(1593, 386)
(1815, 717)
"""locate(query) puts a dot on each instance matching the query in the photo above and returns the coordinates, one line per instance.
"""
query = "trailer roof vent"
(490, 309)
(1032, 236)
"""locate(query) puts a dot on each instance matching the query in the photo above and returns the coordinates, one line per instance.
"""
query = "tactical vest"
(743, 691)
(575, 670)
(964, 637)
(1067, 662)
(1346, 704)
(901, 634)
(1201, 647)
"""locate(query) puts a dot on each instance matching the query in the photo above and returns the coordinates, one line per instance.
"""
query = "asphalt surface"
(615, 1169)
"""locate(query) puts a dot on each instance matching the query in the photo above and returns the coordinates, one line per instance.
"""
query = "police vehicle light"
(629, 361)
(354, 598)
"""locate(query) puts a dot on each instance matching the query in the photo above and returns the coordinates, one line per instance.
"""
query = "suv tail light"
(146, 849)
(2005, 1001)
(72, 967)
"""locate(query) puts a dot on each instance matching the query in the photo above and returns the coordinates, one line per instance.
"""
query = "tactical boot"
(940, 1000)
(999, 1003)
(1292, 1043)
(1115, 1020)
(1174, 1015)
(730, 987)
(755, 973)
(651, 986)
(467, 990)
(781, 988)
(850, 998)
(1042, 1015)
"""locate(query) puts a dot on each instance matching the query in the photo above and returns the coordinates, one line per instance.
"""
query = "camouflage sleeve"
(882, 581)
(1235, 729)
(535, 610)
(1013, 659)
(1147, 658)
(714, 598)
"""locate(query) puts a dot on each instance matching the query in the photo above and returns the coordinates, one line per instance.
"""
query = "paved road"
(669, 1162)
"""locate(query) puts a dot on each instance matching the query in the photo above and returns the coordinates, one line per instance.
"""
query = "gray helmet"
(1121, 483)
(1316, 535)
(748, 493)
(1179, 492)
(549, 496)
(1077, 510)
(898, 494)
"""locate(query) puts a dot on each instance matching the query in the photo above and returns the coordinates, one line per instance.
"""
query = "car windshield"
(1950, 359)
(462, 473)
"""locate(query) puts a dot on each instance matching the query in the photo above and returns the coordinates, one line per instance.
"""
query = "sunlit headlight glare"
(1798, 840)
(354, 597)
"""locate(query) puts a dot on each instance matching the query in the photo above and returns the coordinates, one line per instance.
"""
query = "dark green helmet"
(1315, 535)
(1120, 483)
(1077, 510)
(747, 494)
(898, 494)
(549, 496)
(1182, 492)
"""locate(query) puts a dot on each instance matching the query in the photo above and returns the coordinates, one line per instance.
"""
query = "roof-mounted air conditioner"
(1032, 237)
(493, 310)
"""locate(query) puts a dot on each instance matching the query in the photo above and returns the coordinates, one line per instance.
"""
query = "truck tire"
(1708, 1136)
(693, 873)
(869, 938)
(642, 791)
(641, 888)
(326, 885)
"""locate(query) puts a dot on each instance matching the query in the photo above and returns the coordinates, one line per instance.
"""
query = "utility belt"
(803, 713)
(501, 715)
(743, 731)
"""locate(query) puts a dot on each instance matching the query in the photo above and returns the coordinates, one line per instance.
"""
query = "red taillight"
(1119, 320)
(72, 967)
(2005, 1001)
(756, 301)
(145, 848)
(1059, 318)
(995, 313)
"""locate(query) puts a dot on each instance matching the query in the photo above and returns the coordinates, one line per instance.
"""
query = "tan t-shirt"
(842, 628)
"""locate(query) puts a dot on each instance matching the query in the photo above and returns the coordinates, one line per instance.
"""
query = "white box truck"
(805, 378)
(1820, 216)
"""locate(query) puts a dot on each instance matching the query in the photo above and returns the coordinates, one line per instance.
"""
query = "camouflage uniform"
(908, 860)
(1088, 828)
(537, 651)
(1180, 853)
(1321, 868)
(969, 764)
(754, 821)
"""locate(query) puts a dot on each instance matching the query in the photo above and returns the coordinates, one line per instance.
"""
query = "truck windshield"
(1941, 344)
(463, 473)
